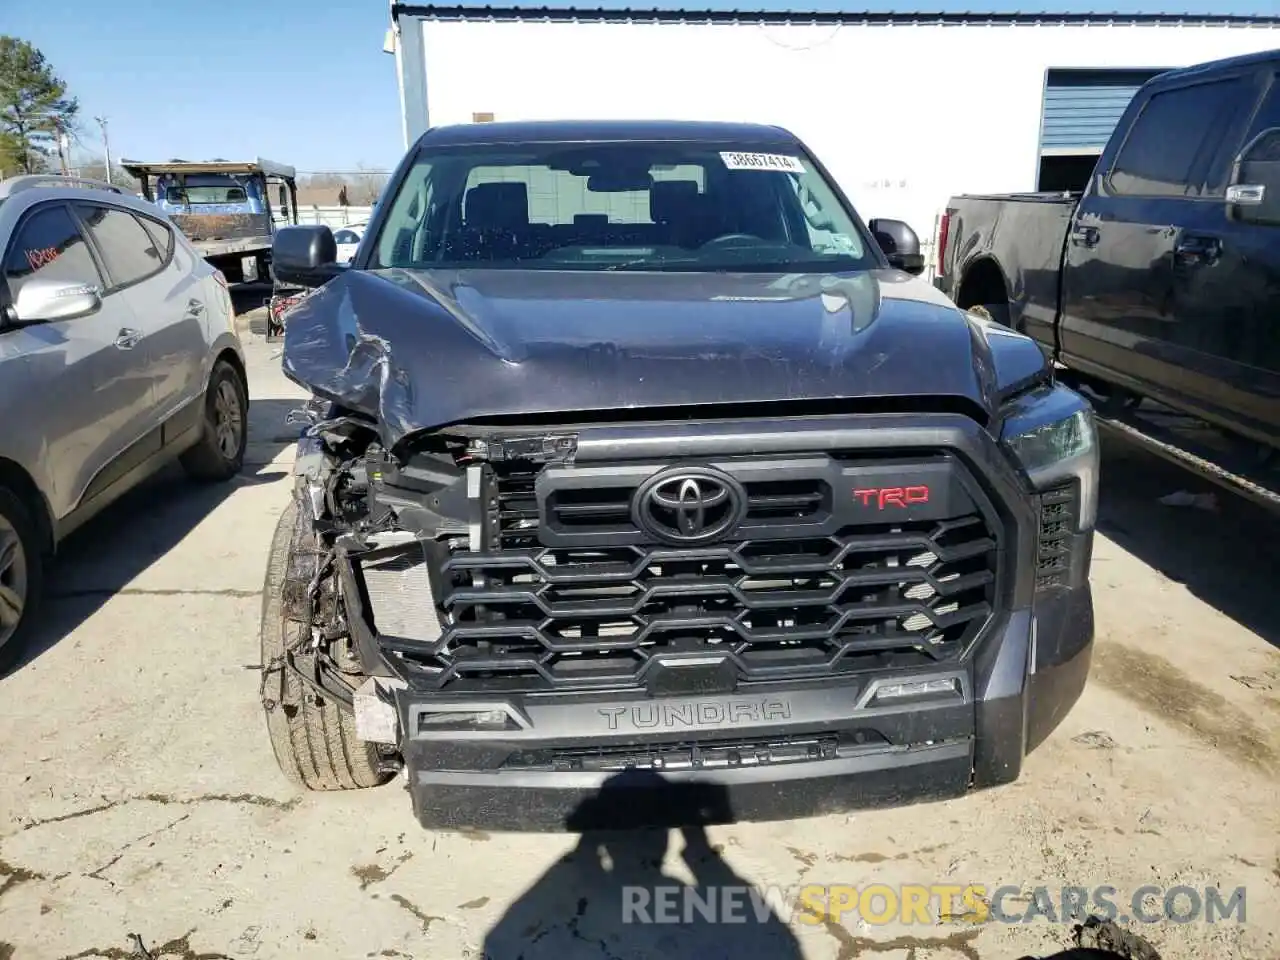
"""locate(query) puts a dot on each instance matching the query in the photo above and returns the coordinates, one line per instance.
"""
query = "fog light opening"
(898, 691)
(429, 720)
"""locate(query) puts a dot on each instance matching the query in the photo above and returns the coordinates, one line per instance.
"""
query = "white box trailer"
(905, 109)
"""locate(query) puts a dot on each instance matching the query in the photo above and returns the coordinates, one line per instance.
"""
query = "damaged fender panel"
(419, 349)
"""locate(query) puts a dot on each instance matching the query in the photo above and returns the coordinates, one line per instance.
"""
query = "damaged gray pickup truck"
(636, 460)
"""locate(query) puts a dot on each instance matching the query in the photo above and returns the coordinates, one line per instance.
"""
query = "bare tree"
(97, 170)
(367, 185)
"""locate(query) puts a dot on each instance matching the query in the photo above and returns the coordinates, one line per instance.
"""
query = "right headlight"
(1052, 434)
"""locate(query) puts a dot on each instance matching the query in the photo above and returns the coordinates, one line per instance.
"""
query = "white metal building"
(904, 109)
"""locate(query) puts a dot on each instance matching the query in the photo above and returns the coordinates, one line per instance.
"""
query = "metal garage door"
(1082, 107)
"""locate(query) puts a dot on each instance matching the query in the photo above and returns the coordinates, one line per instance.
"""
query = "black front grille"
(524, 616)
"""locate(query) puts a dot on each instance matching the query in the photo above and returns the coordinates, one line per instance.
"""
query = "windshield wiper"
(650, 261)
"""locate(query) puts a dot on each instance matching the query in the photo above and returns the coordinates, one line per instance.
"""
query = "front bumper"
(593, 762)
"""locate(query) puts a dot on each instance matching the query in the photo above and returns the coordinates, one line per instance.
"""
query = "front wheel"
(21, 572)
(220, 453)
(313, 737)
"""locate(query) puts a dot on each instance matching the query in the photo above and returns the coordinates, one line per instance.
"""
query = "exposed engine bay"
(373, 533)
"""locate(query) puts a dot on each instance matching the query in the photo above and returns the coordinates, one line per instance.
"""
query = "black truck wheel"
(313, 737)
(220, 453)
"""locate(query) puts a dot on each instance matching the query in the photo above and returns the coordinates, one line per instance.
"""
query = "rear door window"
(1170, 149)
(131, 254)
(49, 244)
(161, 233)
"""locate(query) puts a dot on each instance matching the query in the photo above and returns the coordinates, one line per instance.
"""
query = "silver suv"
(118, 354)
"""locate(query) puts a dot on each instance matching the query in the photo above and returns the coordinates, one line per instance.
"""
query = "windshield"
(619, 206)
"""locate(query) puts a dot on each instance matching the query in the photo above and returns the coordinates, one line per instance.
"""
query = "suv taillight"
(944, 223)
(221, 278)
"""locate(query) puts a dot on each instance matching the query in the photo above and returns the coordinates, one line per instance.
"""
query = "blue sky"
(305, 82)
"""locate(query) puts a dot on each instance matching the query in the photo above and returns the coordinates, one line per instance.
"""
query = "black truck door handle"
(1193, 250)
(1085, 236)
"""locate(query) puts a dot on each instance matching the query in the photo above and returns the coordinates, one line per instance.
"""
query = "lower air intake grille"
(1057, 523)
(691, 755)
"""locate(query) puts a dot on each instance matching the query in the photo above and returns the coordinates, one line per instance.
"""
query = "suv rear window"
(620, 206)
(130, 252)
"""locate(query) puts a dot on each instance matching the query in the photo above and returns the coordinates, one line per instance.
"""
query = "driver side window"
(49, 244)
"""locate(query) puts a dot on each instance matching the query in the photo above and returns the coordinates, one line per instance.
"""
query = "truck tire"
(313, 737)
(21, 575)
(220, 453)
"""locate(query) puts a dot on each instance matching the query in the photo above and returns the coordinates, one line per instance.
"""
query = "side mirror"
(1254, 194)
(306, 255)
(41, 300)
(900, 244)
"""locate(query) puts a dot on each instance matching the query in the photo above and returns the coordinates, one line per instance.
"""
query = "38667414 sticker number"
(762, 161)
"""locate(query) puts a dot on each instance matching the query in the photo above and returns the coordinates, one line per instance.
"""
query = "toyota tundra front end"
(806, 536)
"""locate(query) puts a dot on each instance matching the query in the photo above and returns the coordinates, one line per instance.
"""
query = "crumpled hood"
(421, 349)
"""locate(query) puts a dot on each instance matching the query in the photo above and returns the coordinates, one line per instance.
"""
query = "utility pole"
(106, 145)
(64, 147)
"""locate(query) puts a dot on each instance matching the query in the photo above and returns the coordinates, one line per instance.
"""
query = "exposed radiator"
(400, 598)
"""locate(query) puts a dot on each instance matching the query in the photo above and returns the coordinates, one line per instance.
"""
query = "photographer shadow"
(609, 896)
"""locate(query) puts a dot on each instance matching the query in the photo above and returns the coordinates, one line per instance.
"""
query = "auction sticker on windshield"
(762, 161)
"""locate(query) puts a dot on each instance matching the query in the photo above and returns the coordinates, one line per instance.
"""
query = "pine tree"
(34, 107)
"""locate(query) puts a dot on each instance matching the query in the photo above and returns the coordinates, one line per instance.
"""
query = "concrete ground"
(139, 795)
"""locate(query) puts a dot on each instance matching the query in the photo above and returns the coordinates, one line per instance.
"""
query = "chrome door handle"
(194, 307)
(127, 338)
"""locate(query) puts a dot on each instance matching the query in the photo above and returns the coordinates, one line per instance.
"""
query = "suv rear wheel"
(220, 453)
(21, 573)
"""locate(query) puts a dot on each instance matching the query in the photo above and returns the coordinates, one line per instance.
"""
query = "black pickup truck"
(636, 461)
(1162, 280)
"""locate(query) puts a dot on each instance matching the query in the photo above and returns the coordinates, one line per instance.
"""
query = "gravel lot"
(138, 793)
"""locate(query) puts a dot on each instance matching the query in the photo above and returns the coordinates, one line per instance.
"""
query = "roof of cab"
(596, 131)
(1216, 66)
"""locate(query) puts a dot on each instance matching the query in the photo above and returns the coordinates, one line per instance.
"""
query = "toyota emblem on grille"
(688, 506)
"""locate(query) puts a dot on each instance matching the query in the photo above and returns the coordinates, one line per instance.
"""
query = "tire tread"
(313, 737)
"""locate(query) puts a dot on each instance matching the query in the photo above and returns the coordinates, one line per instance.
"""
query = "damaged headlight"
(1051, 433)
